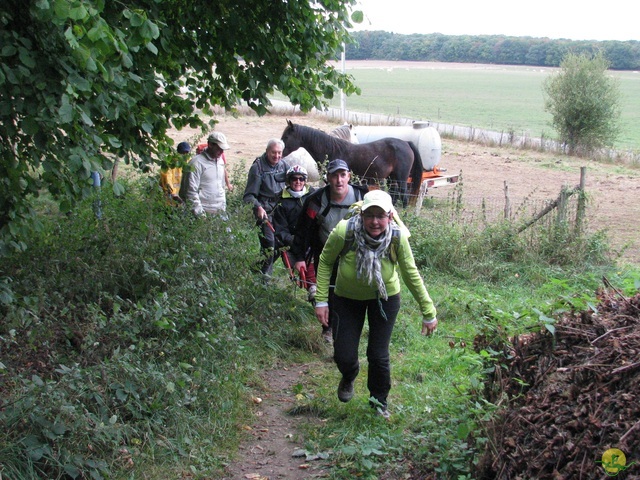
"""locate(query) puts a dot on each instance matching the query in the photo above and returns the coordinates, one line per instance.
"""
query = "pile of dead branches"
(571, 397)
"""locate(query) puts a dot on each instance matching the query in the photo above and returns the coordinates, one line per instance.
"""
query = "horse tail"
(416, 170)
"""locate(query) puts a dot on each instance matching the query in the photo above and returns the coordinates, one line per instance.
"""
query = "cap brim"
(386, 207)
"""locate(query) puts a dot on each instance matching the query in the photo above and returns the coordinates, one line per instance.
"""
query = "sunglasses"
(377, 216)
(297, 179)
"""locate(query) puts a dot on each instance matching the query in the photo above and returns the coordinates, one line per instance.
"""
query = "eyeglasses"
(377, 216)
(298, 179)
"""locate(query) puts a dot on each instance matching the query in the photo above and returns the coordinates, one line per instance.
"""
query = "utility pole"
(343, 97)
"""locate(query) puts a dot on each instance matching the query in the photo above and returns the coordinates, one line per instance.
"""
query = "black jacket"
(307, 241)
(285, 217)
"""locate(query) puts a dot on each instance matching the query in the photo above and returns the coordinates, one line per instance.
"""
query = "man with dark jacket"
(265, 181)
(321, 212)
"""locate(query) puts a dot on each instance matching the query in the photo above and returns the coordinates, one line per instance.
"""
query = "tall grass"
(130, 343)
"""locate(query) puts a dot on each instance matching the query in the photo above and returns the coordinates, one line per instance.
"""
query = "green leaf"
(78, 13)
(86, 119)
(463, 431)
(114, 141)
(8, 51)
(357, 16)
(65, 112)
(118, 189)
(152, 48)
(72, 470)
(136, 19)
(61, 9)
(27, 59)
(150, 30)
(59, 428)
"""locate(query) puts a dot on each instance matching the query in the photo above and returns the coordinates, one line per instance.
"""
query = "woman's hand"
(322, 314)
(428, 326)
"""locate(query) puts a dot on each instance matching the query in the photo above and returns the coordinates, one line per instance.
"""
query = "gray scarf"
(369, 252)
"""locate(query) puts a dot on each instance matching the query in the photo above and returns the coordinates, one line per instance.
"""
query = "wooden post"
(562, 206)
(421, 195)
(507, 202)
(582, 200)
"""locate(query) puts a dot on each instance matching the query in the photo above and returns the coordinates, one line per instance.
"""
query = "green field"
(489, 97)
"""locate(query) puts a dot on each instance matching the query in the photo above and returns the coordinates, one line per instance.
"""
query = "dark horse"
(388, 158)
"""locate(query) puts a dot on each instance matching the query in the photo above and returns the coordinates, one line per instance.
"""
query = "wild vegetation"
(133, 341)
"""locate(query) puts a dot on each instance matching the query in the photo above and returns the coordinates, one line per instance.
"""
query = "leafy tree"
(584, 103)
(85, 82)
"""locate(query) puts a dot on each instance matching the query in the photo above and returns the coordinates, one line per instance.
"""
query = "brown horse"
(374, 162)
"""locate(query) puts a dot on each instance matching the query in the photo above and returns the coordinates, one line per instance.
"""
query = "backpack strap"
(259, 166)
(348, 238)
(330, 205)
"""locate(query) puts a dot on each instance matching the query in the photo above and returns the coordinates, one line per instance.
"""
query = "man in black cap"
(321, 212)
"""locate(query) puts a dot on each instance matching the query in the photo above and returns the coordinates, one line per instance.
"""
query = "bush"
(130, 334)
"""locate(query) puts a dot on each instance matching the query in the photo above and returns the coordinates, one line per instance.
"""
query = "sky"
(570, 19)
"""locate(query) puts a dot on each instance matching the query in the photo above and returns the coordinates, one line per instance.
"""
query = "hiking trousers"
(348, 321)
(267, 246)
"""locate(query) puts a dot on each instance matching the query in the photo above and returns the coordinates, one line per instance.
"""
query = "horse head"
(291, 140)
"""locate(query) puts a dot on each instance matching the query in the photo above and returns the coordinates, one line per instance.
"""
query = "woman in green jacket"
(367, 284)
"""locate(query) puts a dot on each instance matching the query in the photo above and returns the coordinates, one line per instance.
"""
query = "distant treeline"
(492, 49)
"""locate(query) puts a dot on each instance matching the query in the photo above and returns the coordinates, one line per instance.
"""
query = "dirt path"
(274, 448)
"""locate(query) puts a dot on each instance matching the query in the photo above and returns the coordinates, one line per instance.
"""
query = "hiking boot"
(383, 412)
(345, 390)
(327, 336)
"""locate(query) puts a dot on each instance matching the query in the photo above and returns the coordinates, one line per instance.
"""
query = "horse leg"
(404, 195)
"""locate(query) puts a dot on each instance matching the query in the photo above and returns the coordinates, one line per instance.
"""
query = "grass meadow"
(490, 97)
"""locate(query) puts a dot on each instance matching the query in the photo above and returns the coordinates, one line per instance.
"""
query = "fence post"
(507, 202)
(562, 206)
(421, 194)
(582, 199)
